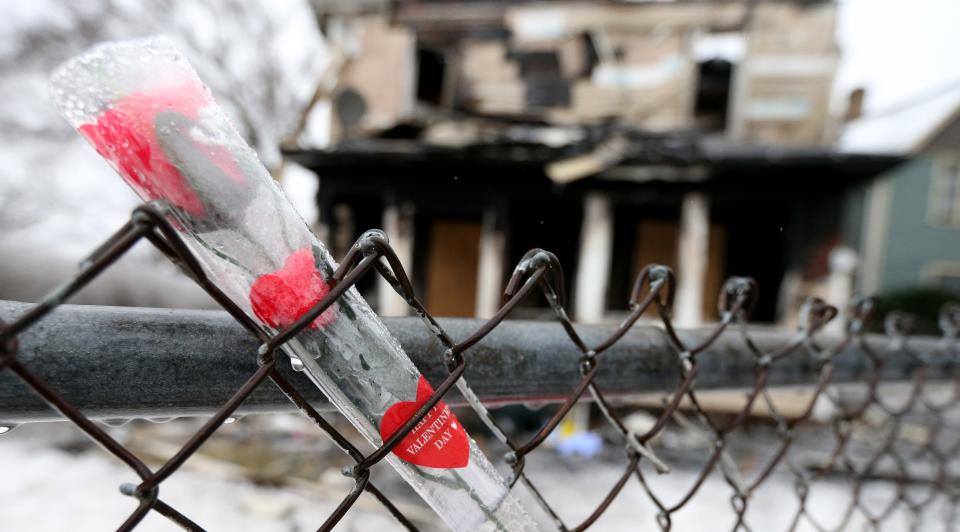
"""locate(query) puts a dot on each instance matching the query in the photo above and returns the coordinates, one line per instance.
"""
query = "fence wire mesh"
(905, 441)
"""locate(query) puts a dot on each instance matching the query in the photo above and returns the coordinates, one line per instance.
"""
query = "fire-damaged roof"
(599, 156)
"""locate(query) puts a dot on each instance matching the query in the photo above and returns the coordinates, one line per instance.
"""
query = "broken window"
(713, 95)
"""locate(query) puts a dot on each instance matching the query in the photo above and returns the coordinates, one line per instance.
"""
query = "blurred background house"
(721, 138)
(693, 134)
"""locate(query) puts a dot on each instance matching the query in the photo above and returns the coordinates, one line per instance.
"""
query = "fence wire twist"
(653, 290)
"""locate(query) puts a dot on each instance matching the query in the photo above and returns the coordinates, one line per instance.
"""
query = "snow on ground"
(52, 482)
(45, 488)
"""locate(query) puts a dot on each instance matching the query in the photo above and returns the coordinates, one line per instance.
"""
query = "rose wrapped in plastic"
(145, 110)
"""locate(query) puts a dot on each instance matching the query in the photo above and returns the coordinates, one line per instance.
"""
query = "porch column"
(693, 251)
(490, 269)
(398, 225)
(596, 247)
(844, 263)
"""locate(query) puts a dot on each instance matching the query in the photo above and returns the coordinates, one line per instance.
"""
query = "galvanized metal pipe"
(121, 362)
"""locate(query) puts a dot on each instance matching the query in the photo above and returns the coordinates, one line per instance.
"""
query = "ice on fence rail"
(143, 108)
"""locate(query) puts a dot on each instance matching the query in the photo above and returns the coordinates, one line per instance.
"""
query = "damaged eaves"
(642, 157)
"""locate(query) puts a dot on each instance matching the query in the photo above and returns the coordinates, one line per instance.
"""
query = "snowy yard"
(264, 474)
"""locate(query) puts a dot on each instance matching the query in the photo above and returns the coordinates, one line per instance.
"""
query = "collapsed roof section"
(757, 72)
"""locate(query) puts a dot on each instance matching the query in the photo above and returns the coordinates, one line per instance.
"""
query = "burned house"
(691, 134)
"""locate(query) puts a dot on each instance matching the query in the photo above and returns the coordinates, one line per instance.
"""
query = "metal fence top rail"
(189, 362)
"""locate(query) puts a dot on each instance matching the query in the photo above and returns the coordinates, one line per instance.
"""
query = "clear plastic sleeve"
(144, 109)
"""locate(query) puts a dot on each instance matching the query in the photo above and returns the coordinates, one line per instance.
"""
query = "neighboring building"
(693, 134)
(912, 218)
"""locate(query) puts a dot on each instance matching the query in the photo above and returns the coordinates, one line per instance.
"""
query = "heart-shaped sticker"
(438, 440)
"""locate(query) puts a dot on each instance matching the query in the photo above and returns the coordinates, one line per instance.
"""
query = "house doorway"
(451, 273)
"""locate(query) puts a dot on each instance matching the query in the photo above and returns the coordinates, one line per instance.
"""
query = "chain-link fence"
(879, 428)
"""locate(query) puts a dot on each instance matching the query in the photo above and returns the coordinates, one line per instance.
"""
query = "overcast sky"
(897, 48)
(901, 52)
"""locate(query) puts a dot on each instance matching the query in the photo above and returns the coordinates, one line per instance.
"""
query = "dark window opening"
(543, 79)
(431, 75)
(713, 95)
(537, 64)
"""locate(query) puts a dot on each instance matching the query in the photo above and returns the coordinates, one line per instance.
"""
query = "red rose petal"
(125, 135)
(280, 298)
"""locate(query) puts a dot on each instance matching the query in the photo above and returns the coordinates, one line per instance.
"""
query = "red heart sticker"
(438, 440)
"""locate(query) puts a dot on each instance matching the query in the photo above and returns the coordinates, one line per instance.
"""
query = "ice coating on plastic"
(143, 108)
